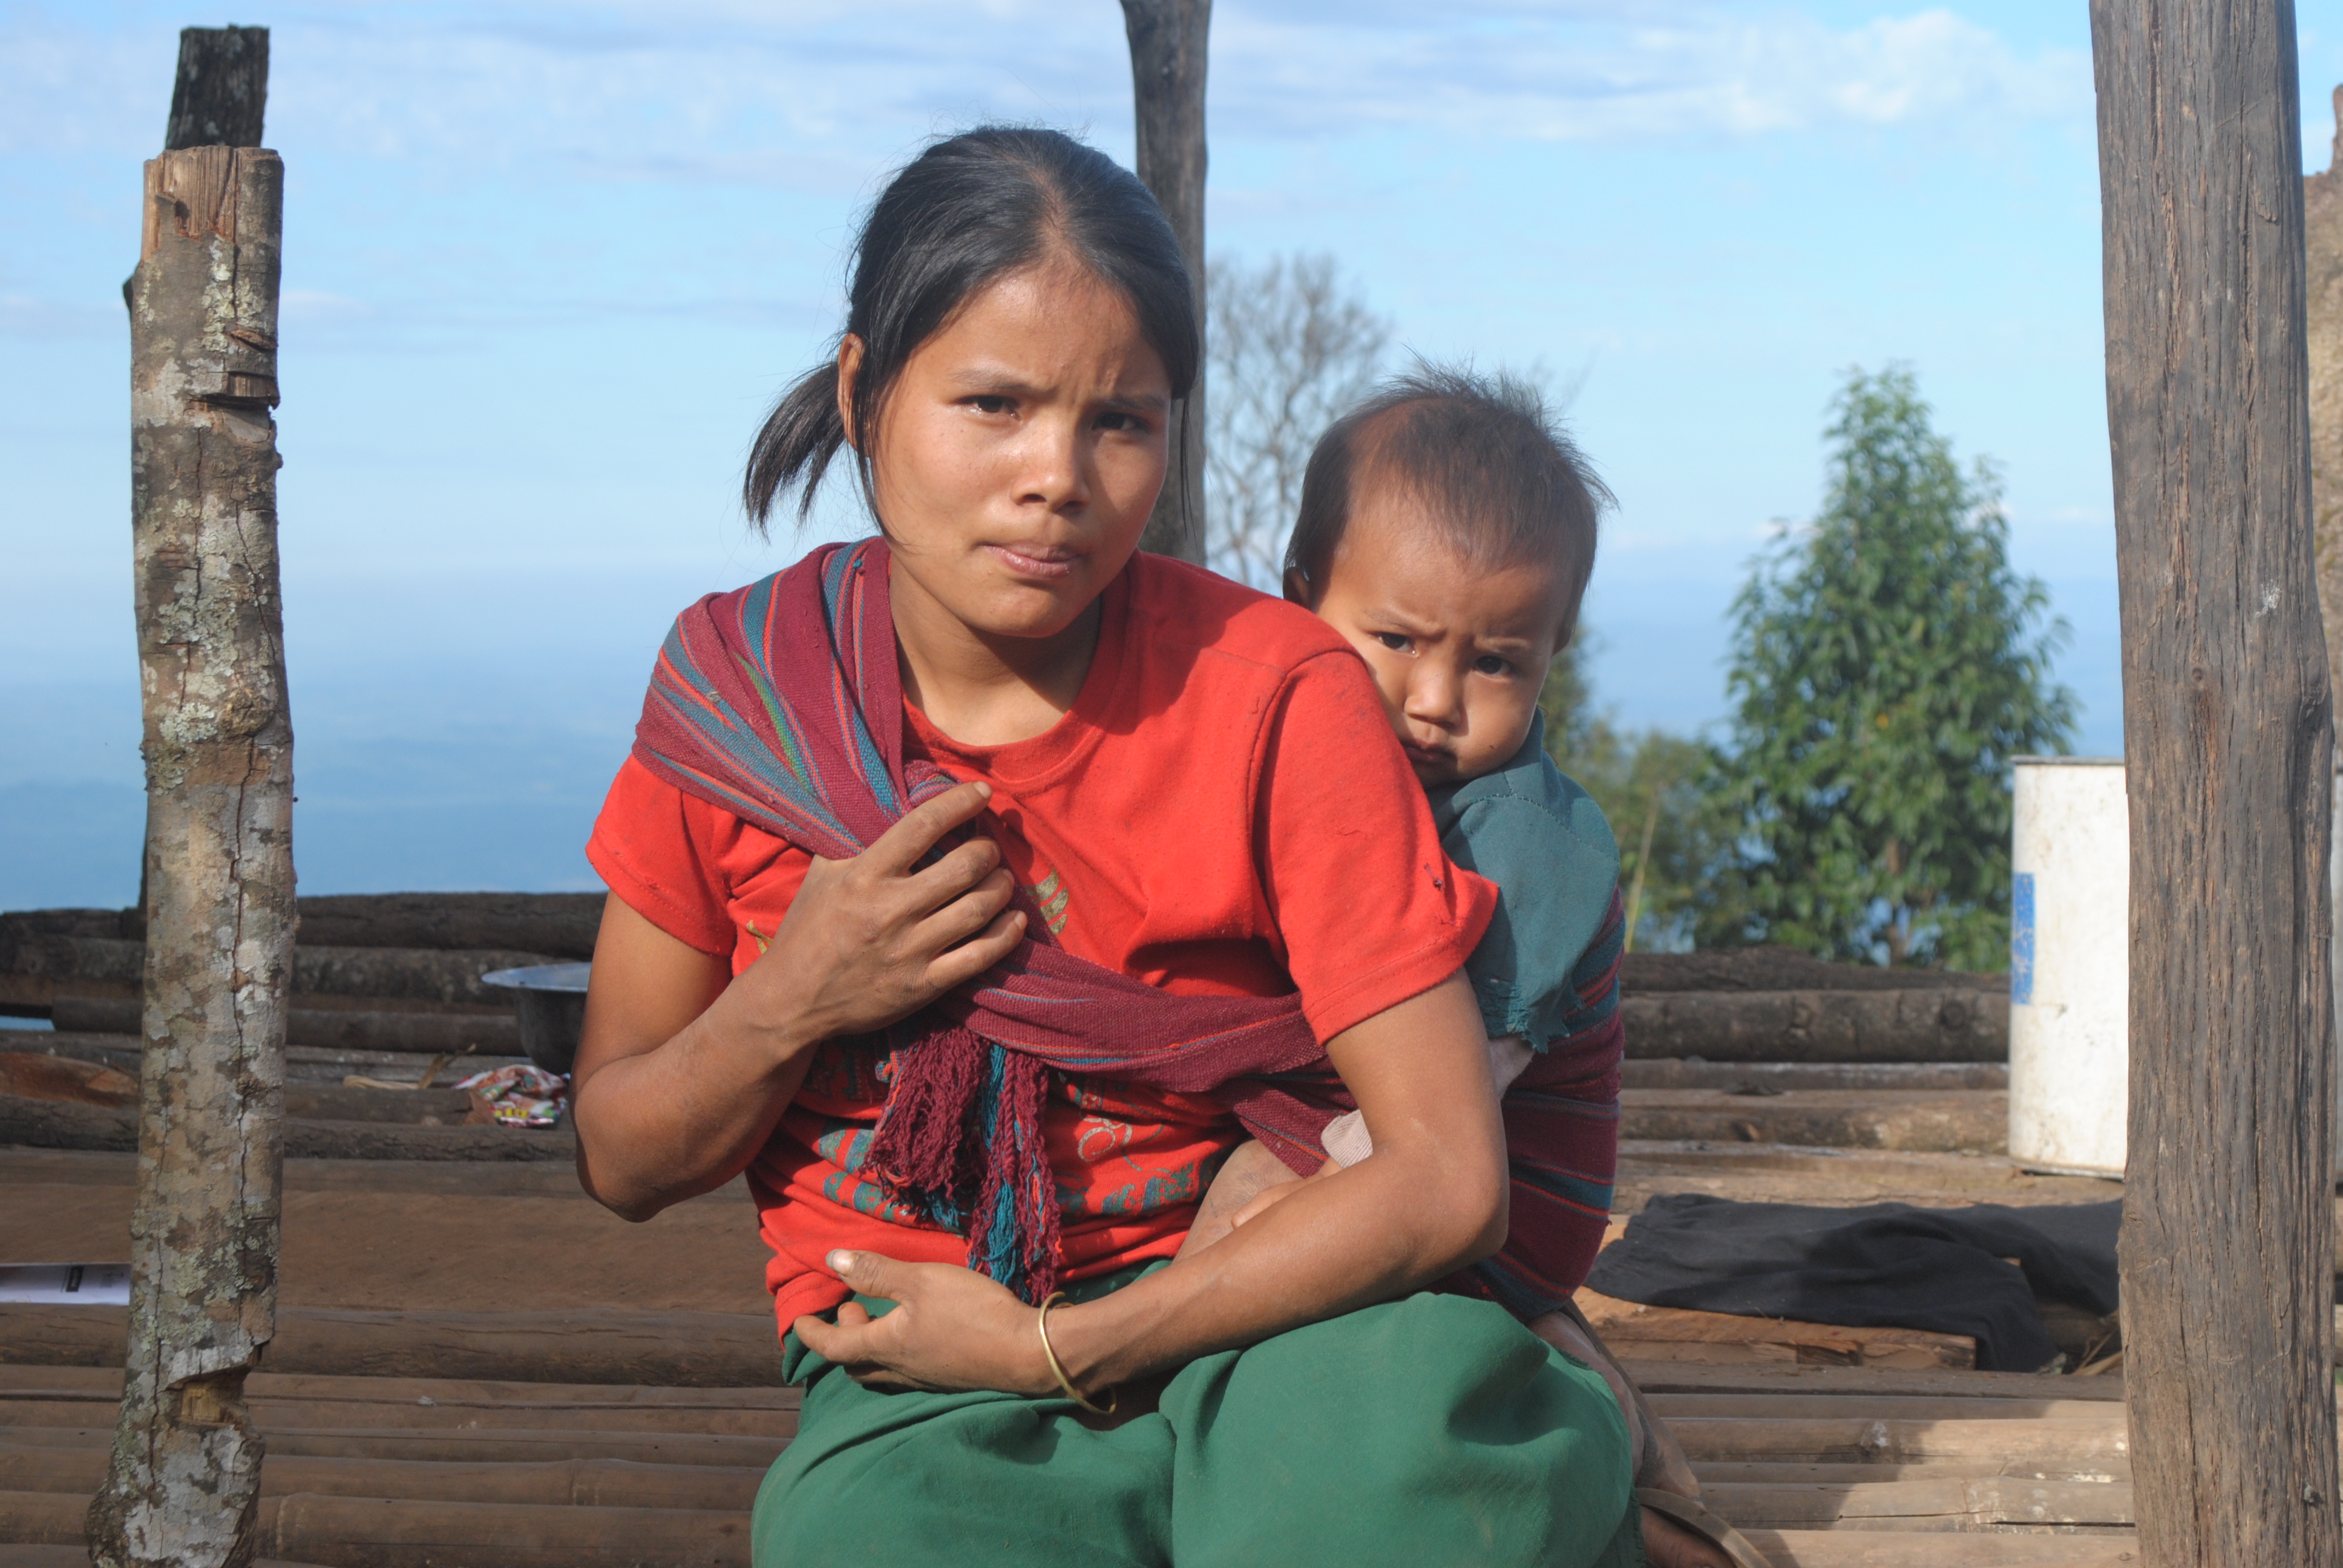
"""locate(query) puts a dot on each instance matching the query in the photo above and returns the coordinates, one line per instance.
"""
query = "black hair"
(1504, 481)
(968, 210)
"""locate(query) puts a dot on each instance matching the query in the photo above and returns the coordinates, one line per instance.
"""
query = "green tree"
(1677, 834)
(1886, 665)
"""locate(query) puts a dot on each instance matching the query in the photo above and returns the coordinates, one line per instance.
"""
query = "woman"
(979, 887)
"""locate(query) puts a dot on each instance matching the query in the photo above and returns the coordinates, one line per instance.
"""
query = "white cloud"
(798, 95)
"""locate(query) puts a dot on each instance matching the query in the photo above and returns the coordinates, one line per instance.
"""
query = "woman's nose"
(1052, 460)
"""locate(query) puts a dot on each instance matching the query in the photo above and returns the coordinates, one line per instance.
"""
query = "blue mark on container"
(2021, 939)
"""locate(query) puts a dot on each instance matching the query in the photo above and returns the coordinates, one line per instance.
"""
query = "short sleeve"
(1369, 909)
(1555, 866)
(661, 851)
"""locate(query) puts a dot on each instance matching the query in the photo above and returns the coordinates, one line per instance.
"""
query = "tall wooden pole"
(184, 1475)
(2228, 1239)
(1167, 83)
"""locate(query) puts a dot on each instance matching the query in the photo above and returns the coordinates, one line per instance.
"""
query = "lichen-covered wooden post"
(2228, 1219)
(1167, 90)
(184, 1475)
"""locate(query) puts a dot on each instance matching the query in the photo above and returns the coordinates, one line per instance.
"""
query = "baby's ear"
(1297, 587)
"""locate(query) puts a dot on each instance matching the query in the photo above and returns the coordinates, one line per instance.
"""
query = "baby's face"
(1459, 653)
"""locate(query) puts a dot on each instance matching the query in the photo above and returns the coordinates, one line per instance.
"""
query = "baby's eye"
(1490, 664)
(1395, 641)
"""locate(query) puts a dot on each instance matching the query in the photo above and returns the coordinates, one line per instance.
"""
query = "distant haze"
(546, 266)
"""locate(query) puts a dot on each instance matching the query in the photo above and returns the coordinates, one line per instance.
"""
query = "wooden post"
(1167, 90)
(184, 1477)
(2322, 202)
(2322, 216)
(2227, 1240)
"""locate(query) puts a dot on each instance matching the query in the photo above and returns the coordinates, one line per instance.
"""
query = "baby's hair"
(969, 209)
(1482, 452)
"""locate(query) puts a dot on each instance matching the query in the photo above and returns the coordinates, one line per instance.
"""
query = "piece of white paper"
(67, 1284)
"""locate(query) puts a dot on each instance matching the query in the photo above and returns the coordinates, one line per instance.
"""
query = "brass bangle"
(1042, 1320)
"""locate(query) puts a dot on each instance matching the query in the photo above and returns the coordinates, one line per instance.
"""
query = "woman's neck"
(984, 690)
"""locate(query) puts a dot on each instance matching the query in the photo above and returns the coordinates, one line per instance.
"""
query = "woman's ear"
(849, 365)
(1297, 587)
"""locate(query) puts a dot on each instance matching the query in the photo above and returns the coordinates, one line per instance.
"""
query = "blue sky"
(547, 263)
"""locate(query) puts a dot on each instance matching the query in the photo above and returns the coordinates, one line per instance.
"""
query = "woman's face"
(1021, 450)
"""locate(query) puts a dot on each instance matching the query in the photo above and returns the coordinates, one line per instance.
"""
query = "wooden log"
(331, 1028)
(361, 1533)
(378, 1532)
(1679, 1377)
(500, 1446)
(22, 1417)
(1902, 1077)
(1773, 968)
(58, 1124)
(1733, 1473)
(184, 1477)
(561, 926)
(2228, 748)
(89, 966)
(105, 1383)
(1888, 1407)
(1851, 1439)
(33, 1075)
(1677, 1334)
(1946, 1505)
(1972, 1122)
(574, 1483)
(693, 1350)
(1836, 1549)
(1168, 41)
(1948, 1025)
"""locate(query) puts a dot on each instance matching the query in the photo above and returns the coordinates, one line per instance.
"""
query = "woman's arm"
(680, 1075)
(1432, 1200)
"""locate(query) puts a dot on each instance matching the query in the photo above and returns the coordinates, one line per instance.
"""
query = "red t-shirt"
(1223, 811)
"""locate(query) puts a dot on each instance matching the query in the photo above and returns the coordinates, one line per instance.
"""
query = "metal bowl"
(549, 1003)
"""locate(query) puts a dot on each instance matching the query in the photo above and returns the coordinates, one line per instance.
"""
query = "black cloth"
(1886, 1265)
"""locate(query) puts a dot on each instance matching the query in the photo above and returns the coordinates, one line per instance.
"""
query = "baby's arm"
(1347, 1137)
(1249, 1180)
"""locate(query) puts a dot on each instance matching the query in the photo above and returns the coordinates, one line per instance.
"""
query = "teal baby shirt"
(1544, 842)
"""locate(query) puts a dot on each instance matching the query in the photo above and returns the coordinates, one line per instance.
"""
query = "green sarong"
(1428, 1432)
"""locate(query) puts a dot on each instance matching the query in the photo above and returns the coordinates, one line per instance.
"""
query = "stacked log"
(1890, 1468)
(1765, 1045)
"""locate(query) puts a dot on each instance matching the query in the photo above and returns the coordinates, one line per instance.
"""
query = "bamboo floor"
(563, 1428)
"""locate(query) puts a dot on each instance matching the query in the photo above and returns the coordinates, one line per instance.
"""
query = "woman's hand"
(875, 939)
(951, 1329)
(682, 1069)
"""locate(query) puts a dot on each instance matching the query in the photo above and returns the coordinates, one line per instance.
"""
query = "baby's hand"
(1249, 1182)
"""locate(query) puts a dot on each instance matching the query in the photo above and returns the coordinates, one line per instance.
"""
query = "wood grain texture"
(2226, 1249)
(184, 1473)
(1167, 82)
(222, 91)
(2322, 216)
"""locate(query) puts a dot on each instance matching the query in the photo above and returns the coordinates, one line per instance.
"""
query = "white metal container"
(2069, 970)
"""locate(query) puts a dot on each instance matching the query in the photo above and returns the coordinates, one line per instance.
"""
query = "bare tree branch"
(1290, 349)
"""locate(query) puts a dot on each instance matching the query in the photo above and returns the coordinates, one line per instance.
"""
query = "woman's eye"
(1393, 640)
(990, 403)
(1121, 421)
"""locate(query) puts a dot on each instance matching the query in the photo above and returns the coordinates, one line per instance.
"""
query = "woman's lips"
(1043, 564)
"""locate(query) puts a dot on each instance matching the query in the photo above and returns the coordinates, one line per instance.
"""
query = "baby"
(1448, 529)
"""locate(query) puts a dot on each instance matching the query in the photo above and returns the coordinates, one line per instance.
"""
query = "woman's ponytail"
(800, 438)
